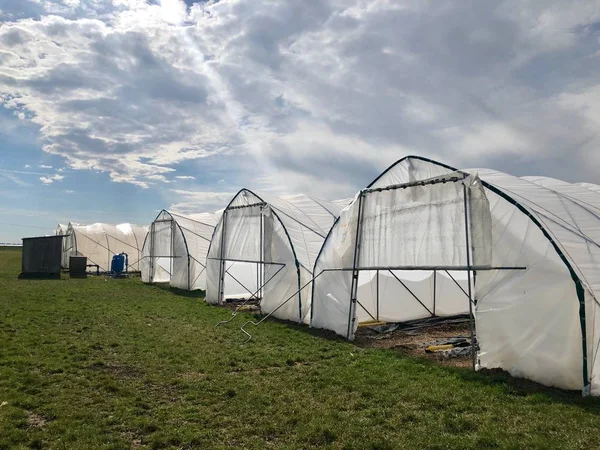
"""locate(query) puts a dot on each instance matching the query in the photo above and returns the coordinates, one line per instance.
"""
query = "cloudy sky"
(115, 109)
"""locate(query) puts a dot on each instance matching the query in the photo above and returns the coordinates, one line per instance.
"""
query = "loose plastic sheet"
(423, 226)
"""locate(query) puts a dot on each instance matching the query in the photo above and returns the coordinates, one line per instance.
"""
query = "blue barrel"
(118, 264)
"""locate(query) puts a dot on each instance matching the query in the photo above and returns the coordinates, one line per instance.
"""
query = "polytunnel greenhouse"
(280, 237)
(99, 242)
(61, 229)
(175, 249)
(425, 239)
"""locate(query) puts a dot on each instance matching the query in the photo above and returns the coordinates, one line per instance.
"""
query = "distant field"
(115, 364)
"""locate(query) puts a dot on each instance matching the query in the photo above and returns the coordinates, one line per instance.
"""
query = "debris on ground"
(242, 304)
(448, 339)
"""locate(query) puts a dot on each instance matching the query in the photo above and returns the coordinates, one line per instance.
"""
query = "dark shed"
(41, 256)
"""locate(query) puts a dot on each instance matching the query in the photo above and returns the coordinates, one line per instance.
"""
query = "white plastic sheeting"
(281, 236)
(343, 202)
(175, 250)
(427, 293)
(99, 242)
(547, 324)
(540, 322)
(402, 233)
(61, 229)
(577, 193)
(590, 186)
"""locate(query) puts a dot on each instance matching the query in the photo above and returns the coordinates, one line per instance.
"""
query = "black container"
(41, 257)
(78, 266)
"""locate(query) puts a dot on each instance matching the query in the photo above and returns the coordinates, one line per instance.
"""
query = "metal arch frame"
(579, 288)
(223, 219)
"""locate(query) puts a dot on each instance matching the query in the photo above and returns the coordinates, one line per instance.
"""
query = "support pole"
(457, 283)
(472, 257)
(410, 292)
(172, 249)
(377, 292)
(471, 318)
(222, 260)
(354, 288)
(152, 229)
(189, 263)
(261, 275)
(258, 262)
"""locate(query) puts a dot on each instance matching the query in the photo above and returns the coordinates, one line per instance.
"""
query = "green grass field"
(98, 363)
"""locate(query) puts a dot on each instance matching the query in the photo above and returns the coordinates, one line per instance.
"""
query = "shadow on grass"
(517, 387)
(498, 378)
(511, 386)
(40, 277)
(199, 294)
(520, 387)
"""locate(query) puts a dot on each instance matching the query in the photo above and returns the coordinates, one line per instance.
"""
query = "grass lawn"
(98, 363)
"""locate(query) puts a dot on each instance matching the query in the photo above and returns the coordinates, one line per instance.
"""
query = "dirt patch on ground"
(118, 370)
(193, 376)
(414, 341)
(245, 306)
(35, 420)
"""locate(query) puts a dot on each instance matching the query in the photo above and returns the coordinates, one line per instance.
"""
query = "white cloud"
(22, 172)
(42, 166)
(315, 97)
(185, 177)
(70, 191)
(27, 166)
(14, 179)
(198, 201)
(51, 179)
